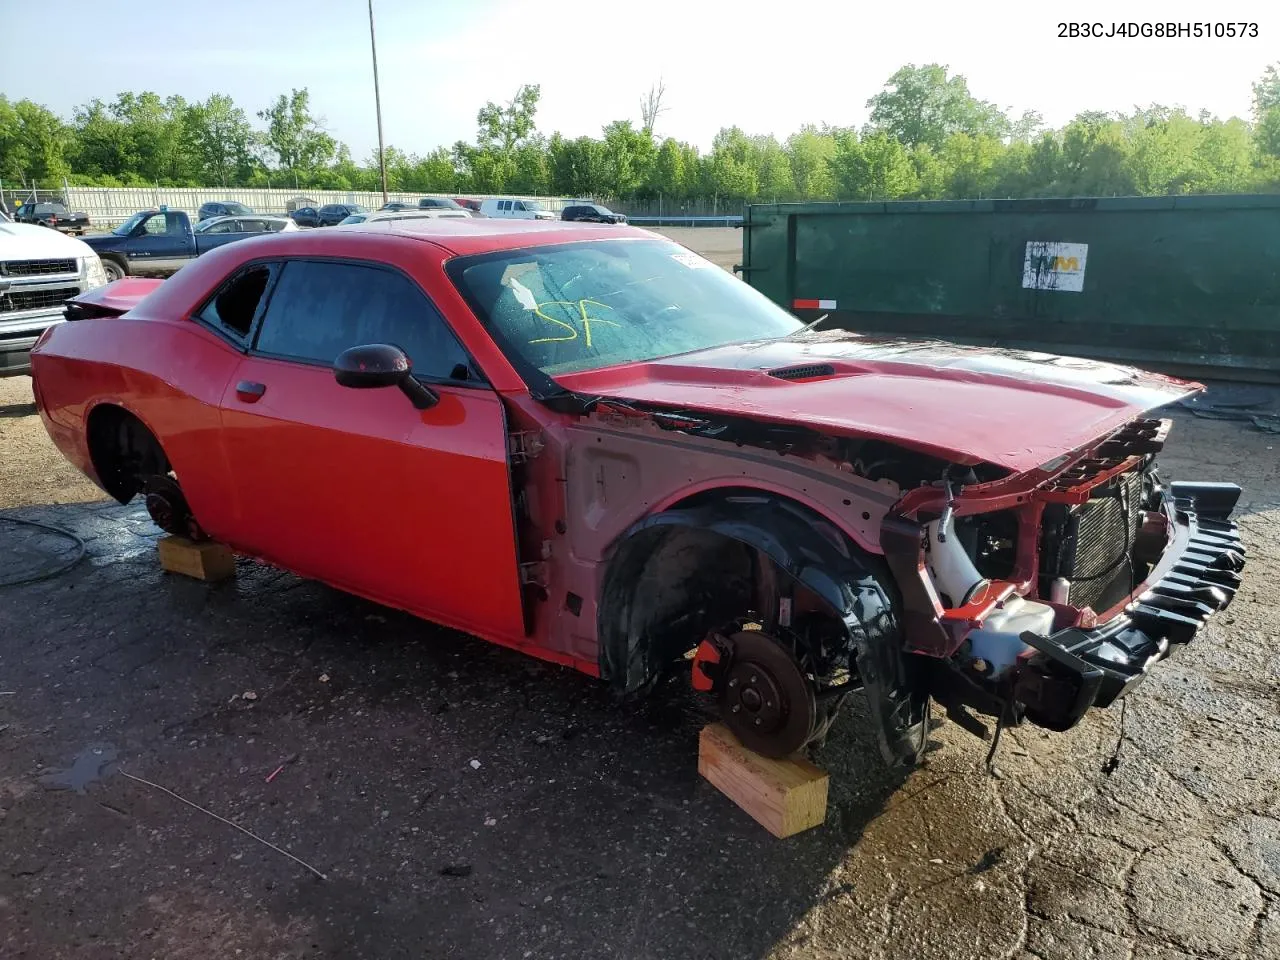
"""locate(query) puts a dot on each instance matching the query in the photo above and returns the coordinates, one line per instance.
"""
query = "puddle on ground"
(89, 767)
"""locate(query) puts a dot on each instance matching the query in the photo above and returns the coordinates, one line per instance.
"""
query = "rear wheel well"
(123, 450)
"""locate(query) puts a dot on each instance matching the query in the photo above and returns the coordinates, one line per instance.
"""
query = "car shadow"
(461, 799)
(15, 410)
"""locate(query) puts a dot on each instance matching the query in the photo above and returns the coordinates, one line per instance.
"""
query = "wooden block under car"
(783, 796)
(204, 561)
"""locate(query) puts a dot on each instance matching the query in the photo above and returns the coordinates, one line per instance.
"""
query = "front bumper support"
(1075, 669)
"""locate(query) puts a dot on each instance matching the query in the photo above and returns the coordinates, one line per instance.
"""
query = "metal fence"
(108, 206)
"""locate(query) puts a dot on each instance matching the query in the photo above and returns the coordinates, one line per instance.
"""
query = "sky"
(766, 67)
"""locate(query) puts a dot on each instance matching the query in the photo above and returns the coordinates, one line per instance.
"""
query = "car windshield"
(583, 306)
(354, 218)
(237, 209)
(532, 205)
(204, 225)
(126, 228)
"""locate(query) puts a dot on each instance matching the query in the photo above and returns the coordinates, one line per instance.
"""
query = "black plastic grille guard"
(1108, 661)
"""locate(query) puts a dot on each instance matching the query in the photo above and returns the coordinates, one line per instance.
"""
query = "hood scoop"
(804, 371)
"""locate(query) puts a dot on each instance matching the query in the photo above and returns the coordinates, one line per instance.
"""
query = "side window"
(504, 204)
(156, 226)
(319, 309)
(223, 227)
(233, 308)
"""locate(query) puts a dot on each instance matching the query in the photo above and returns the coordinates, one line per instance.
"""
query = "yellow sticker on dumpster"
(1054, 266)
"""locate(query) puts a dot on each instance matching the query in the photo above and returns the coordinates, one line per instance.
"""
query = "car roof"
(244, 216)
(467, 235)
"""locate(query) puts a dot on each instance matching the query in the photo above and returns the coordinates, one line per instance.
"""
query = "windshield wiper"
(806, 328)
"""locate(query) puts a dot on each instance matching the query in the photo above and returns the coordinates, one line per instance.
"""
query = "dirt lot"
(581, 829)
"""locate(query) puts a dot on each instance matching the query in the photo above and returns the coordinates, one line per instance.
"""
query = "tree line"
(927, 137)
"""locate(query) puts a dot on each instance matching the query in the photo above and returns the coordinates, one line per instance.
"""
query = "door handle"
(250, 392)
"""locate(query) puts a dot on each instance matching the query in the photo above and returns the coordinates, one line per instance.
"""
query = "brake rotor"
(167, 506)
(766, 699)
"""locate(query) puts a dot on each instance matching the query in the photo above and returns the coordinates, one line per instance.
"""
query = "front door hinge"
(524, 445)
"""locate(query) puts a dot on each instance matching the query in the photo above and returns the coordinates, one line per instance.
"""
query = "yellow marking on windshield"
(587, 320)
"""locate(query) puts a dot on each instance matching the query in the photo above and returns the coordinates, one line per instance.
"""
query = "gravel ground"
(463, 800)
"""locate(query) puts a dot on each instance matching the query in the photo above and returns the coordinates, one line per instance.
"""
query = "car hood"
(1017, 409)
(106, 241)
(26, 241)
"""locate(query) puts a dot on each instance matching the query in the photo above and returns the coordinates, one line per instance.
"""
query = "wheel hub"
(766, 699)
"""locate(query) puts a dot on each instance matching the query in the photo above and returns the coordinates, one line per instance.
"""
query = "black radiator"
(1091, 544)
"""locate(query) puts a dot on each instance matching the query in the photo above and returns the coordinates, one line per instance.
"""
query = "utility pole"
(377, 101)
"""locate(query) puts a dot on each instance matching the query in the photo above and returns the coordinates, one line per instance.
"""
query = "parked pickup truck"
(55, 215)
(39, 271)
(162, 241)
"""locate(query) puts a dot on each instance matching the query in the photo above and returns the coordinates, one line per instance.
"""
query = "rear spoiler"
(110, 301)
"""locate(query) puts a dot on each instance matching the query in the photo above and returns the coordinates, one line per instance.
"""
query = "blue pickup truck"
(161, 241)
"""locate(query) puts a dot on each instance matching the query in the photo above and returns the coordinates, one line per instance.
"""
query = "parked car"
(611, 454)
(306, 216)
(39, 271)
(398, 205)
(53, 214)
(515, 210)
(162, 241)
(468, 203)
(591, 213)
(222, 208)
(412, 213)
(251, 223)
(440, 203)
(331, 214)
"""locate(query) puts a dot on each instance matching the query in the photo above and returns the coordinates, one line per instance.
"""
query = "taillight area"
(40, 340)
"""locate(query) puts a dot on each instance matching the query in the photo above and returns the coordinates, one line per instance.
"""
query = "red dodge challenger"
(590, 444)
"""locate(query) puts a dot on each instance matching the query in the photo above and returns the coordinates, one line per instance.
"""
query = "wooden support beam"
(783, 796)
(205, 560)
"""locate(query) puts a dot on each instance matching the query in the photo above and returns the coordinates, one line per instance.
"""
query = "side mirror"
(382, 365)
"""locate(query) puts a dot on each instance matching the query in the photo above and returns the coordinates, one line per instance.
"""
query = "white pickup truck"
(40, 269)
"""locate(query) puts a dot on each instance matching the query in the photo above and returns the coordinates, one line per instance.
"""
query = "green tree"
(970, 164)
(531, 172)
(628, 154)
(33, 143)
(667, 174)
(294, 137)
(811, 151)
(507, 126)
(577, 167)
(221, 139)
(773, 169)
(1094, 158)
(434, 173)
(875, 167)
(924, 105)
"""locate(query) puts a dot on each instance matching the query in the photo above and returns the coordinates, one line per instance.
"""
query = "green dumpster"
(1187, 284)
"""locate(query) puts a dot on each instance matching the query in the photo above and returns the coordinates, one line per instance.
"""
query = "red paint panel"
(952, 402)
(357, 488)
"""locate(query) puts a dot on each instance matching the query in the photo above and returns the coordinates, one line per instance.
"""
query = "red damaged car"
(596, 447)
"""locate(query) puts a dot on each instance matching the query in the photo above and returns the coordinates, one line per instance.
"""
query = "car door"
(357, 487)
(162, 243)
